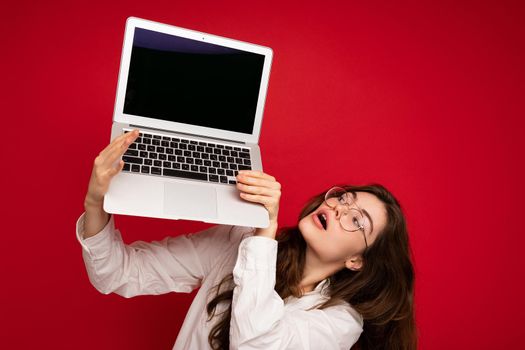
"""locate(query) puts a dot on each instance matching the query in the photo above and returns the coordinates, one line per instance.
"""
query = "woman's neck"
(315, 271)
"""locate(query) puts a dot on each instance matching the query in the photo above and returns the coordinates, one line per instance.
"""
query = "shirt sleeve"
(174, 264)
(258, 317)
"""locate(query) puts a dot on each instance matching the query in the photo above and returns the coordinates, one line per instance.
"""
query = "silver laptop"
(197, 100)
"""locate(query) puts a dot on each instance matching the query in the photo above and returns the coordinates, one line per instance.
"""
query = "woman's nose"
(339, 211)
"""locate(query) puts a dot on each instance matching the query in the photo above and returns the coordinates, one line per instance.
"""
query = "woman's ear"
(354, 263)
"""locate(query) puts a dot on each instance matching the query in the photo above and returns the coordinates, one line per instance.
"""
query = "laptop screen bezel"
(121, 117)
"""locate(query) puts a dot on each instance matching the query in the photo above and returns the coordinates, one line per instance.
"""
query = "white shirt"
(260, 318)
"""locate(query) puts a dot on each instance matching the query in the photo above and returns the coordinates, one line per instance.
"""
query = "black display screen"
(188, 81)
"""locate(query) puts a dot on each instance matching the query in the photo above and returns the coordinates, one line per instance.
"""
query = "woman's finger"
(119, 140)
(258, 190)
(257, 181)
(264, 200)
(257, 173)
(118, 151)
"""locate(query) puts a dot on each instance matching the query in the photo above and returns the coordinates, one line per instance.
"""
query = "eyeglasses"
(352, 219)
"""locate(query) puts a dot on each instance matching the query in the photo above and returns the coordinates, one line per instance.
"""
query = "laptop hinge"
(185, 133)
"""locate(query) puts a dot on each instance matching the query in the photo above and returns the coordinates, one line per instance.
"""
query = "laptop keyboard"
(185, 158)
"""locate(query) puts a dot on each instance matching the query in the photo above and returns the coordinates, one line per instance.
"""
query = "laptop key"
(194, 168)
(156, 171)
(133, 160)
(224, 180)
(245, 167)
(214, 178)
(132, 152)
(185, 174)
(135, 168)
(127, 167)
(157, 163)
(144, 169)
(244, 155)
(247, 162)
(148, 161)
(232, 182)
(143, 154)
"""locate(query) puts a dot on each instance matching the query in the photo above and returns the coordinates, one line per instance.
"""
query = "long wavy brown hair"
(382, 291)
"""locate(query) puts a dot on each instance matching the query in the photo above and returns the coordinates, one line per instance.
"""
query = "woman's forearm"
(95, 219)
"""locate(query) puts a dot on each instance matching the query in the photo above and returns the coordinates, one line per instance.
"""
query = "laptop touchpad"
(188, 201)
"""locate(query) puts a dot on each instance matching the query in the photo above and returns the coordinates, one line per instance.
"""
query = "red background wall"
(423, 97)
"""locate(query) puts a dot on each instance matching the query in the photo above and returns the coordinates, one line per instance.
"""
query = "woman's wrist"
(269, 231)
(93, 204)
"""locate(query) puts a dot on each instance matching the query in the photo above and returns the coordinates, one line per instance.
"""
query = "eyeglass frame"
(362, 227)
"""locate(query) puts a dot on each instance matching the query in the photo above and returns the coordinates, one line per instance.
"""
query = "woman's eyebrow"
(354, 194)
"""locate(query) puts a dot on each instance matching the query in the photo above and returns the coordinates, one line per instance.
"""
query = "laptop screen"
(188, 81)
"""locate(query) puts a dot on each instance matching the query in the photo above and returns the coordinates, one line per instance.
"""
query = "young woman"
(341, 278)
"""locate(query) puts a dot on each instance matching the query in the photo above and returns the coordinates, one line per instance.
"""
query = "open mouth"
(322, 219)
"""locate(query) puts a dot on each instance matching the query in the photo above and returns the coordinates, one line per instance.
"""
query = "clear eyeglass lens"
(336, 196)
(352, 220)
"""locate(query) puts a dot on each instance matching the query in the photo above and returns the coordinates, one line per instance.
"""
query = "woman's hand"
(104, 168)
(258, 187)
